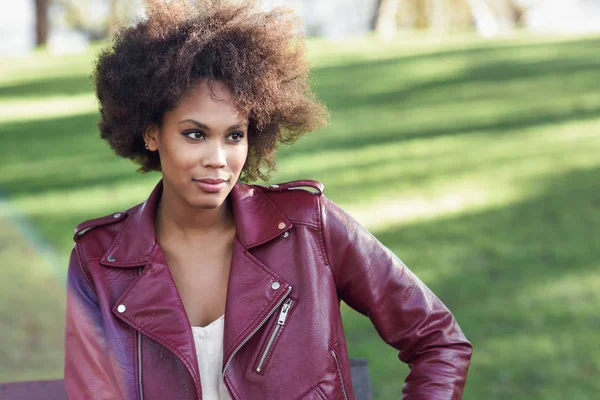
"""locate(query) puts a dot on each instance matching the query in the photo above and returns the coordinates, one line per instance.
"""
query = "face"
(202, 145)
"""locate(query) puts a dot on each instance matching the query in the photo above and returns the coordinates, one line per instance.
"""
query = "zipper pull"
(284, 312)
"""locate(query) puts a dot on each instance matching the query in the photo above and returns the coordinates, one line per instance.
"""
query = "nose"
(214, 155)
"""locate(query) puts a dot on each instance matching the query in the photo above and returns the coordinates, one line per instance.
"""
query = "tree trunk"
(485, 20)
(375, 17)
(438, 15)
(42, 27)
(508, 13)
(112, 18)
(386, 19)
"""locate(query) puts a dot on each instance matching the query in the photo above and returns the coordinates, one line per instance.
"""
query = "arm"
(406, 314)
(88, 373)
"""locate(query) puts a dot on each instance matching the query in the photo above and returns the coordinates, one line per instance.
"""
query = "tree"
(385, 24)
(490, 17)
(493, 17)
(122, 12)
(438, 15)
(114, 19)
(42, 26)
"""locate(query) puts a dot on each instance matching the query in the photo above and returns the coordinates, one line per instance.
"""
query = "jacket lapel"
(153, 306)
(253, 294)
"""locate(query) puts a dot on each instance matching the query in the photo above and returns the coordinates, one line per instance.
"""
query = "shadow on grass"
(508, 62)
(55, 86)
(494, 270)
(504, 126)
(58, 154)
(499, 90)
(570, 74)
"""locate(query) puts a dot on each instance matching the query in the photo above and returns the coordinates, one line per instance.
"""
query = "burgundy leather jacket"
(295, 256)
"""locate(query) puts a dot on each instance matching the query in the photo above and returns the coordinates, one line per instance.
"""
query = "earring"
(146, 145)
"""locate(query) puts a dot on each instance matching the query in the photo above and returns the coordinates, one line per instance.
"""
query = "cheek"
(238, 158)
(179, 157)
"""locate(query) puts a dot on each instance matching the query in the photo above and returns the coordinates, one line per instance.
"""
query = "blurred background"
(465, 134)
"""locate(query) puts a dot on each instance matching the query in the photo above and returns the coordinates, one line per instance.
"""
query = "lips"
(211, 181)
(210, 185)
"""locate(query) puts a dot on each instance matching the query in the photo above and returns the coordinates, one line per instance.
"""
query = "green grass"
(31, 303)
(475, 161)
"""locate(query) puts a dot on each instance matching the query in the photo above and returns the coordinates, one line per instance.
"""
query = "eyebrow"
(203, 126)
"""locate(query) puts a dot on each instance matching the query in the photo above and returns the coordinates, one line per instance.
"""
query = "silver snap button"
(121, 308)
(274, 186)
(275, 285)
(286, 234)
(117, 215)
(111, 258)
(281, 225)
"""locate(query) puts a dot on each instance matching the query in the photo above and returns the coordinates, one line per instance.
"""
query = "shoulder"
(306, 185)
(298, 200)
(104, 221)
(304, 201)
(94, 236)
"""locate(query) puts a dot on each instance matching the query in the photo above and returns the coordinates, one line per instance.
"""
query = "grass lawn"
(477, 162)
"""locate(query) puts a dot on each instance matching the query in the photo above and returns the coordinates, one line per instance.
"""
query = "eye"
(236, 136)
(196, 135)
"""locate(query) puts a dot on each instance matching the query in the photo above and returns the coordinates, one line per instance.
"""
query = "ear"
(151, 137)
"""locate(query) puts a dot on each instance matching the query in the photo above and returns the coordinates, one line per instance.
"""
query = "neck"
(176, 219)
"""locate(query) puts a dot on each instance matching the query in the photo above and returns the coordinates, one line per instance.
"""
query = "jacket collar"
(257, 221)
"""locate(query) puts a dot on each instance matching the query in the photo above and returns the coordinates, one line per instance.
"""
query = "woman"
(213, 288)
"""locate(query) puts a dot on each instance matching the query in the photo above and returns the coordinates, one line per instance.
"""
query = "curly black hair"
(259, 55)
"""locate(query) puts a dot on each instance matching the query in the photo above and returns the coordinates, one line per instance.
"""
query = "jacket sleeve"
(405, 313)
(88, 373)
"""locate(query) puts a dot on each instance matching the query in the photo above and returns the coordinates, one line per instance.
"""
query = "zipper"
(280, 322)
(252, 334)
(139, 355)
(340, 372)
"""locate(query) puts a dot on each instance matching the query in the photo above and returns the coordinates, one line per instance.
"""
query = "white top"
(209, 350)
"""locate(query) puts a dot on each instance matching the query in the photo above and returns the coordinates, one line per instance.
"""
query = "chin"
(207, 201)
